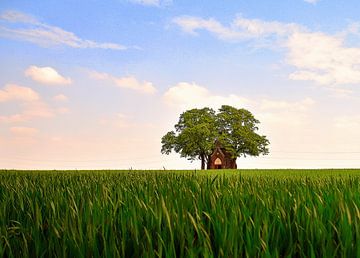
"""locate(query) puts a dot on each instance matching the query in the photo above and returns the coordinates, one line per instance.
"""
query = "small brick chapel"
(221, 159)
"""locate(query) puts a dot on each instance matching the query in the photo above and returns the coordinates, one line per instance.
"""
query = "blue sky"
(95, 84)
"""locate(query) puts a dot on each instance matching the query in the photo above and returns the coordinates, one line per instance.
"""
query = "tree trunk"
(208, 160)
(202, 162)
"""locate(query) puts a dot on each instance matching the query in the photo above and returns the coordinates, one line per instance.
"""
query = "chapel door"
(218, 163)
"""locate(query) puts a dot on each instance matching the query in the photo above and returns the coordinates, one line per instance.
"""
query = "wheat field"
(239, 213)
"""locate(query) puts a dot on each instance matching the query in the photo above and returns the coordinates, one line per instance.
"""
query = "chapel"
(221, 159)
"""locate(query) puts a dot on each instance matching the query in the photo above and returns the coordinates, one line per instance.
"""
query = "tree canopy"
(198, 129)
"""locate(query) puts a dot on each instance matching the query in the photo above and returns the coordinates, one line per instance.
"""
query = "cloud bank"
(276, 113)
(127, 82)
(33, 107)
(23, 27)
(13, 92)
(316, 56)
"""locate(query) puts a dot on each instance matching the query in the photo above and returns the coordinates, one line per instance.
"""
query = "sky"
(96, 84)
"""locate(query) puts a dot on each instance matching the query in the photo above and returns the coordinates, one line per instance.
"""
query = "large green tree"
(194, 135)
(198, 129)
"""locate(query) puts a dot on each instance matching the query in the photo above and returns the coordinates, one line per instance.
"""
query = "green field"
(242, 213)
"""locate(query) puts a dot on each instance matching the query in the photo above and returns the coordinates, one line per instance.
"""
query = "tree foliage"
(198, 129)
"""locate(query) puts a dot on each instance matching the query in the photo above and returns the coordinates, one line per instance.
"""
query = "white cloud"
(32, 105)
(23, 131)
(13, 92)
(323, 59)
(191, 24)
(31, 111)
(60, 98)
(319, 57)
(46, 75)
(100, 76)
(30, 29)
(240, 29)
(156, 3)
(190, 95)
(312, 1)
(14, 16)
(127, 82)
(260, 28)
(131, 82)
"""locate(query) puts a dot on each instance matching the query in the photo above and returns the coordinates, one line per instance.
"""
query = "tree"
(198, 129)
(194, 135)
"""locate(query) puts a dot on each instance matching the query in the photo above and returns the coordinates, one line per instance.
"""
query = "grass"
(242, 213)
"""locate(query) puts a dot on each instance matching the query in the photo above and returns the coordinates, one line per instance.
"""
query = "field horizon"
(245, 171)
